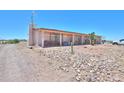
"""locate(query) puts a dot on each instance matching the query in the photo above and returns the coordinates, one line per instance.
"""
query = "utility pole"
(31, 26)
(32, 18)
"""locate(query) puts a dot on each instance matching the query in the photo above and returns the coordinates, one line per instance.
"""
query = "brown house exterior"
(44, 37)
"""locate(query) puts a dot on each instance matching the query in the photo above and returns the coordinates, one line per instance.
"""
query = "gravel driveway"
(20, 64)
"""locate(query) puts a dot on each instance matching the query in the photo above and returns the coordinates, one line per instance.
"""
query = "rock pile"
(59, 54)
(88, 66)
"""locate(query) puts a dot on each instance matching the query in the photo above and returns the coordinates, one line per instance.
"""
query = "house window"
(54, 37)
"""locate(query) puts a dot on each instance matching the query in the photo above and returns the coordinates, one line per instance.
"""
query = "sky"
(107, 23)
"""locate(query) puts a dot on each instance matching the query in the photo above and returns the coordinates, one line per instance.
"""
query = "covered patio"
(51, 37)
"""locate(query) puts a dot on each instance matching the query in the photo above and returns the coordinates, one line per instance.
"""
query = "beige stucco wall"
(40, 38)
(83, 39)
(35, 37)
(67, 38)
(46, 36)
(30, 39)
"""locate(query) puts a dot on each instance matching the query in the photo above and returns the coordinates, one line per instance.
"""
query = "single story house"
(45, 37)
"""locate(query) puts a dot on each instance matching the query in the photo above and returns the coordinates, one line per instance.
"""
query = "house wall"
(46, 36)
(52, 38)
(35, 37)
(83, 39)
(67, 38)
(77, 39)
(39, 38)
(87, 40)
(30, 40)
(98, 40)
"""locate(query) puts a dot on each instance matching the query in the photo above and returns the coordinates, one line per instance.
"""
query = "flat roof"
(63, 31)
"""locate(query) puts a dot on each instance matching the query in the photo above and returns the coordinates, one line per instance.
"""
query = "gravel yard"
(90, 63)
(99, 63)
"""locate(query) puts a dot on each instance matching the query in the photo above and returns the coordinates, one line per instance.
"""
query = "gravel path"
(9, 69)
(20, 64)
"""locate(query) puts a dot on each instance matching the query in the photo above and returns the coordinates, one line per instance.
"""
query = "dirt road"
(20, 64)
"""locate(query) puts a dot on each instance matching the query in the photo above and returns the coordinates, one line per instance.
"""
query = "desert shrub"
(14, 41)
(92, 38)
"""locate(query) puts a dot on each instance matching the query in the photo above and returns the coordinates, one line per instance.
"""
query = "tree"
(92, 38)
(13, 41)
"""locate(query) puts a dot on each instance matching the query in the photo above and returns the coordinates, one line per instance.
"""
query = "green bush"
(92, 38)
(14, 41)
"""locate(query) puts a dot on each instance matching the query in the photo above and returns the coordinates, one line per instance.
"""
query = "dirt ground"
(21, 64)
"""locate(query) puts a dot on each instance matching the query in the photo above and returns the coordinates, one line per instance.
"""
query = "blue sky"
(107, 23)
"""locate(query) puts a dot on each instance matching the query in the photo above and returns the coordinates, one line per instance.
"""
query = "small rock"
(64, 69)
(74, 65)
(116, 78)
(67, 70)
(88, 64)
(97, 73)
(79, 74)
(78, 78)
(78, 70)
(108, 73)
(91, 71)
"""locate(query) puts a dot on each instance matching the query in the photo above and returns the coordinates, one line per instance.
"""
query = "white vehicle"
(120, 42)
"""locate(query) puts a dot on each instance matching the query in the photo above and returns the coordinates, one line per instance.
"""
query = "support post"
(60, 39)
(82, 40)
(42, 38)
(72, 50)
(37, 37)
(73, 39)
